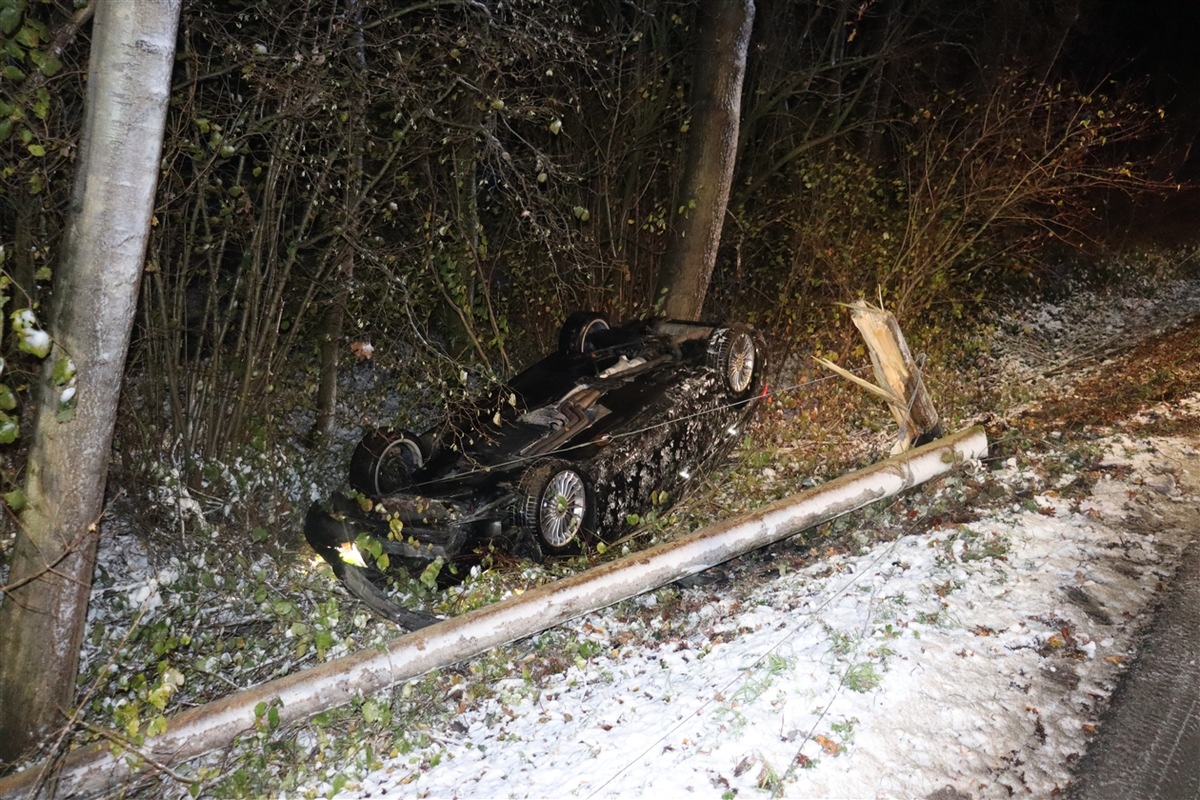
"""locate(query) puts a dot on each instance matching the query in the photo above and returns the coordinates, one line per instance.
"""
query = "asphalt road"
(1148, 744)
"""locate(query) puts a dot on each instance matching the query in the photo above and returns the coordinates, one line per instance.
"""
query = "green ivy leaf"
(41, 103)
(47, 64)
(39, 27)
(10, 18)
(62, 372)
(36, 150)
(8, 400)
(430, 574)
(28, 36)
(15, 500)
(30, 337)
(13, 73)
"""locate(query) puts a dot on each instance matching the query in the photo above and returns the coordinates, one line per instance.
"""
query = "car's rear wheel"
(580, 325)
(732, 352)
(385, 461)
(555, 504)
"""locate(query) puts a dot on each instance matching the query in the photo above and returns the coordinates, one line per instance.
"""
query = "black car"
(571, 450)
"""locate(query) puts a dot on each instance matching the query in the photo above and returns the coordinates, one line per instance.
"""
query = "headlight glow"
(348, 552)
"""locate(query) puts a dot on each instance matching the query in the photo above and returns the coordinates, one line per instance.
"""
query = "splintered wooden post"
(900, 383)
(896, 371)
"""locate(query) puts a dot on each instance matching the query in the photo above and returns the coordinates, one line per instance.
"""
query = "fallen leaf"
(828, 745)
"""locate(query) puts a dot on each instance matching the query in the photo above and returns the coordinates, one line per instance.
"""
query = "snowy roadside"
(969, 661)
(1063, 341)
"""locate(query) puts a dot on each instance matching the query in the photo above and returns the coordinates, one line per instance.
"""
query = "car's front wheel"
(578, 328)
(555, 504)
(385, 461)
(733, 353)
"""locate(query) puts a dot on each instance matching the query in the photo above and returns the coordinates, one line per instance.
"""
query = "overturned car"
(570, 451)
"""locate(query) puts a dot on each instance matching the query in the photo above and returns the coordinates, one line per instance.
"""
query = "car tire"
(573, 336)
(555, 505)
(733, 353)
(385, 461)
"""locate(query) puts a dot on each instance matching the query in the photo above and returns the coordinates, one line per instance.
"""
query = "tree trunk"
(332, 334)
(335, 313)
(44, 610)
(712, 150)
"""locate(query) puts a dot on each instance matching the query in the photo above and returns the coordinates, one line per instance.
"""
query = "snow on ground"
(970, 660)
(1062, 341)
(976, 657)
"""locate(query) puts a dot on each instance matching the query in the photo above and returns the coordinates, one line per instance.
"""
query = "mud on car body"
(571, 450)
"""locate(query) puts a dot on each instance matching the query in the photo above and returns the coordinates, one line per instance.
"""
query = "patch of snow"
(1034, 343)
(35, 340)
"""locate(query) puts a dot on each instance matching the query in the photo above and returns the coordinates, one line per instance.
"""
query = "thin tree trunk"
(332, 334)
(459, 283)
(712, 150)
(335, 315)
(44, 611)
